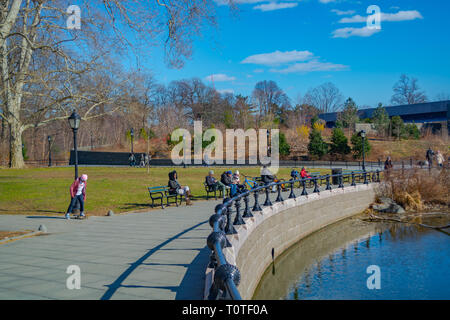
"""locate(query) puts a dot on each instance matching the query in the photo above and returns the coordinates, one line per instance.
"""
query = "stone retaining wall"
(285, 223)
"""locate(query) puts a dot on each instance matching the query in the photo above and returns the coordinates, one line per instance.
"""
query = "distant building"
(434, 115)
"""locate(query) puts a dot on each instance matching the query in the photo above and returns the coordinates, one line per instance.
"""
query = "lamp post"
(363, 136)
(268, 143)
(132, 139)
(74, 122)
(49, 138)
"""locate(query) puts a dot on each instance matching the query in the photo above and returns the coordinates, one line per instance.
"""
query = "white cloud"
(219, 77)
(224, 91)
(272, 6)
(399, 16)
(343, 13)
(327, 1)
(278, 57)
(350, 32)
(311, 66)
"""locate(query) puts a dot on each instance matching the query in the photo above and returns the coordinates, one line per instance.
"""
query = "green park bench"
(160, 193)
(211, 189)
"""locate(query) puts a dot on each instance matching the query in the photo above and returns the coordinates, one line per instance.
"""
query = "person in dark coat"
(226, 178)
(429, 155)
(176, 188)
(215, 184)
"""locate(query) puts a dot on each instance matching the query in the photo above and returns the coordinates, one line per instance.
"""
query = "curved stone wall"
(283, 224)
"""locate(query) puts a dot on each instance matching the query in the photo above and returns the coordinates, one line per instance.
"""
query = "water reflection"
(332, 263)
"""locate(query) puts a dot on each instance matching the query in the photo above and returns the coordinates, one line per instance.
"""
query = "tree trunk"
(16, 144)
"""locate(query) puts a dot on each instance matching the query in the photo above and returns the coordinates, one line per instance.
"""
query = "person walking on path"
(388, 164)
(215, 184)
(78, 193)
(429, 155)
(439, 159)
(176, 188)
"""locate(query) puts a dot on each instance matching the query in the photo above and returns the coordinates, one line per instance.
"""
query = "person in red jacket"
(78, 193)
(304, 173)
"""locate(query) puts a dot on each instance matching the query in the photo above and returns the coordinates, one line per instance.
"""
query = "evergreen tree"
(339, 142)
(317, 147)
(381, 120)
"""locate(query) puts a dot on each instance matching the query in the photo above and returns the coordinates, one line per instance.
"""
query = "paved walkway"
(160, 254)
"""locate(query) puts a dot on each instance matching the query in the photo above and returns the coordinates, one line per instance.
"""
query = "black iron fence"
(227, 276)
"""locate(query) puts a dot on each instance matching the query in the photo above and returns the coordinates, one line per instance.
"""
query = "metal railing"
(227, 276)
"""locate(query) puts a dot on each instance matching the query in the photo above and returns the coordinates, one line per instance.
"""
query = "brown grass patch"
(416, 189)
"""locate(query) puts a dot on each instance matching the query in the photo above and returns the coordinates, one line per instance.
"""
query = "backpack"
(294, 174)
(233, 190)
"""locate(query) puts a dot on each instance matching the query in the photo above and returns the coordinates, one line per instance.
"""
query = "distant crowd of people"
(144, 160)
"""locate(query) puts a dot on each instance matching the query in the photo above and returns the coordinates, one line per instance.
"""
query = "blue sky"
(305, 43)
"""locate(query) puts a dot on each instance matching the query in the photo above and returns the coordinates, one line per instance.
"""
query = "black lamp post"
(74, 122)
(132, 139)
(363, 136)
(268, 143)
(49, 138)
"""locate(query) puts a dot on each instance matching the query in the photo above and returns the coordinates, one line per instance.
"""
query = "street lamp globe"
(74, 120)
(363, 134)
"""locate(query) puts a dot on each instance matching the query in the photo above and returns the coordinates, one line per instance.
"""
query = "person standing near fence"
(429, 155)
(439, 159)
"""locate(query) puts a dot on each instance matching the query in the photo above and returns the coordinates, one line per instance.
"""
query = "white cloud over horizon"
(272, 6)
(293, 61)
(278, 57)
(351, 32)
(343, 13)
(219, 77)
(393, 17)
(311, 66)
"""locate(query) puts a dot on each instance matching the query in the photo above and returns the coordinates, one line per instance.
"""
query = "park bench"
(162, 192)
(359, 175)
(211, 189)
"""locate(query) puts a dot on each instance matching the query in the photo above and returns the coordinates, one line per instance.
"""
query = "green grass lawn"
(46, 190)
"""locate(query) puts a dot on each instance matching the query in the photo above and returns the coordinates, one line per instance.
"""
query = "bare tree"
(326, 98)
(407, 91)
(42, 59)
(268, 97)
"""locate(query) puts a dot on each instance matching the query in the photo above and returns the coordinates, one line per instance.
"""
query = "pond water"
(413, 263)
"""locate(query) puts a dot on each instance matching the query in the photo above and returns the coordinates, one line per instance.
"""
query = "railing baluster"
(247, 212)
(292, 195)
(256, 206)
(229, 229)
(238, 218)
(279, 197)
(267, 202)
(353, 179)
(316, 188)
(328, 183)
(304, 192)
(341, 180)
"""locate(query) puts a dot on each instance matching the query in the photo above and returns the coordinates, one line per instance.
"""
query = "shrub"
(339, 142)
(317, 147)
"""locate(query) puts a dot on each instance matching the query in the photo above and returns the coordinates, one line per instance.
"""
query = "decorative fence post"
(279, 197)
(341, 180)
(328, 183)
(353, 179)
(247, 212)
(256, 206)
(267, 202)
(304, 193)
(292, 195)
(229, 229)
(238, 218)
(365, 178)
(316, 188)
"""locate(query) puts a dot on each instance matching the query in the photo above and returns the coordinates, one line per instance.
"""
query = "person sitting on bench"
(214, 184)
(176, 188)
(304, 173)
(226, 178)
